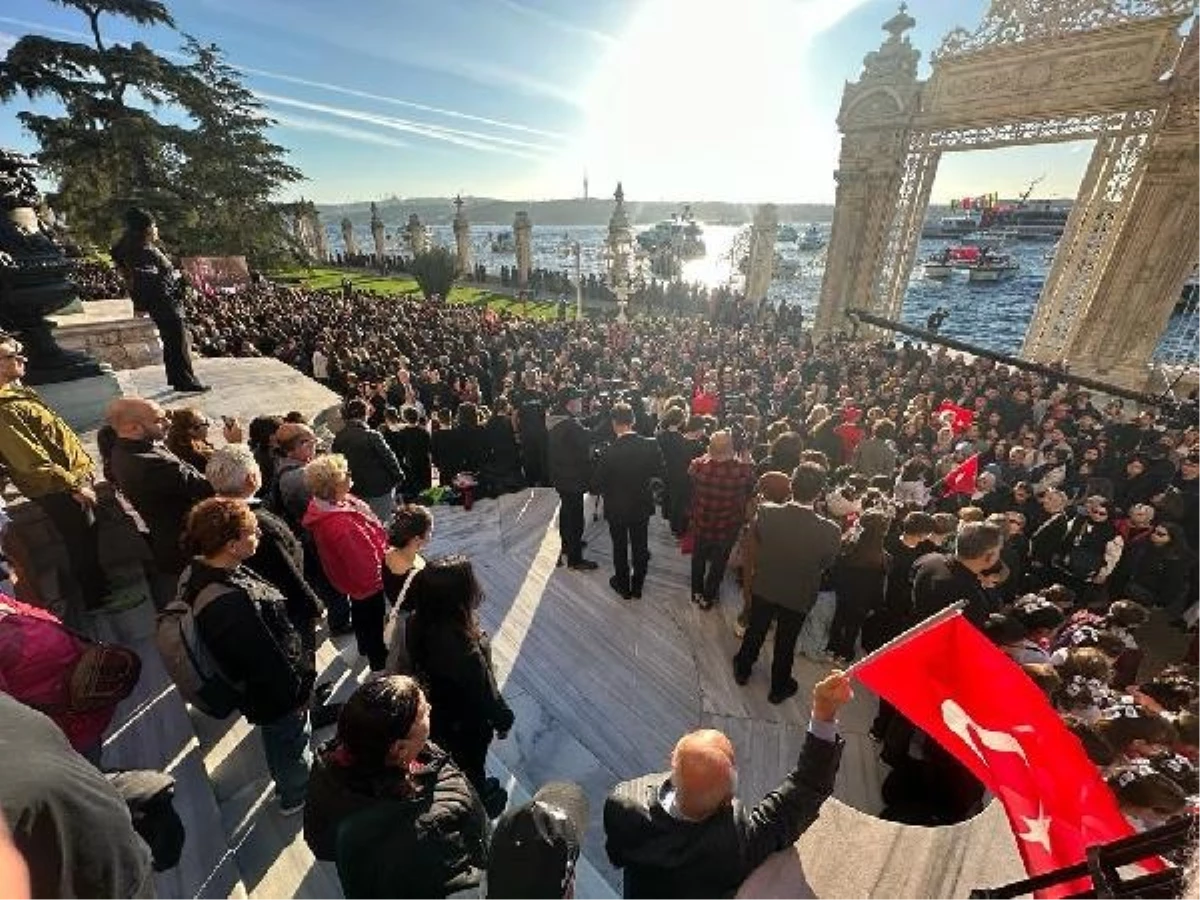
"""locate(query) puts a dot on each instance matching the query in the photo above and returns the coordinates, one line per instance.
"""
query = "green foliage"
(208, 179)
(435, 270)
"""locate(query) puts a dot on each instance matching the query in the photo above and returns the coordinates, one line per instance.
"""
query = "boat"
(990, 266)
(787, 234)
(681, 235)
(812, 239)
(942, 264)
(950, 227)
(1039, 220)
(503, 243)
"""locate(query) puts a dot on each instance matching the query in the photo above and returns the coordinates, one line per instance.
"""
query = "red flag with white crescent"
(954, 684)
(961, 479)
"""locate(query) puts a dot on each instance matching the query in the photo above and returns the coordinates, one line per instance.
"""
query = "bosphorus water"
(993, 315)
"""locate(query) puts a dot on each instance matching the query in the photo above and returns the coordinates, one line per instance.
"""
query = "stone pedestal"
(81, 402)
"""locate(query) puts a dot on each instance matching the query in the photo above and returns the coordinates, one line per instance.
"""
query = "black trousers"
(570, 524)
(630, 537)
(787, 629)
(708, 566)
(367, 620)
(177, 354)
(77, 526)
(848, 618)
(467, 744)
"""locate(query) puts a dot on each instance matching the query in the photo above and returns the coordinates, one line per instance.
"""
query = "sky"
(519, 99)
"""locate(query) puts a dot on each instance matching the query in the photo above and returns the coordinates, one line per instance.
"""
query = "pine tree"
(208, 179)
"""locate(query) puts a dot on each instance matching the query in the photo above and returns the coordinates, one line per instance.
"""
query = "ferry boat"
(812, 239)
(681, 234)
(504, 243)
(950, 227)
(787, 234)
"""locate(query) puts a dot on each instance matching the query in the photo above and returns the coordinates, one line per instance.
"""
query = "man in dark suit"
(373, 465)
(686, 833)
(623, 480)
(570, 446)
(159, 485)
(787, 550)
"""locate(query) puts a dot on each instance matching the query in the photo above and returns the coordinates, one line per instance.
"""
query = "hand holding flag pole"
(962, 691)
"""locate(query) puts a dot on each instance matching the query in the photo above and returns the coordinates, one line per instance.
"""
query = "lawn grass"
(323, 278)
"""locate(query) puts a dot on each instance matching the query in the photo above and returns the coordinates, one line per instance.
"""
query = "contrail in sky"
(306, 82)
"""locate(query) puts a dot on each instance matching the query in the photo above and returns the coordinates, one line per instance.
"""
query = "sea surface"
(993, 315)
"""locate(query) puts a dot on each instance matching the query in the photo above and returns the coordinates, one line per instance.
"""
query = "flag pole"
(954, 609)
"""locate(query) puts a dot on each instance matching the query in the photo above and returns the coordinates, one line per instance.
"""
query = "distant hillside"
(596, 211)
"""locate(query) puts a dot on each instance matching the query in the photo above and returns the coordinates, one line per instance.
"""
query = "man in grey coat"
(788, 548)
(876, 455)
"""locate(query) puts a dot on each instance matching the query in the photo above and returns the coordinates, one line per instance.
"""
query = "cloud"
(459, 137)
(347, 132)
(6, 41)
(554, 22)
(396, 101)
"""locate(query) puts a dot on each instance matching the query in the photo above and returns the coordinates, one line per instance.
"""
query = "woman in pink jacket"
(350, 542)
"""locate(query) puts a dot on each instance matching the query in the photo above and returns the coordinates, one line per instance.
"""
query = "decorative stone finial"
(619, 194)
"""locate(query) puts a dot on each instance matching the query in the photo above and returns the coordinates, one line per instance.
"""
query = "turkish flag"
(961, 479)
(956, 686)
(963, 417)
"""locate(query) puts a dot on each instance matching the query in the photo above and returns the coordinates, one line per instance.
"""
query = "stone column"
(377, 234)
(414, 233)
(322, 239)
(762, 253)
(875, 119)
(348, 237)
(620, 253)
(522, 239)
(1116, 336)
(462, 238)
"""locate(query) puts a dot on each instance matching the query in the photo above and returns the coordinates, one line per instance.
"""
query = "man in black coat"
(623, 478)
(570, 447)
(373, 466)
(160, 485)
(685, 834)
(939, 579)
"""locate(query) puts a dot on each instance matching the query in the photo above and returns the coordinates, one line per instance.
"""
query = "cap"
(535, 845)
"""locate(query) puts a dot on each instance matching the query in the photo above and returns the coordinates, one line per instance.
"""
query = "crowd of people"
(852, 487)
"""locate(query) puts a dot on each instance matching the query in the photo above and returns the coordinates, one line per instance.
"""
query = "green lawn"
(319, 278)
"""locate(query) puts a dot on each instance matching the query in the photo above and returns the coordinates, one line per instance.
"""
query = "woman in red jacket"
(350, 542)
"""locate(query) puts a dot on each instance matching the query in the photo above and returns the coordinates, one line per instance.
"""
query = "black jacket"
(503, 452)
(154, 283)
(162, 488)
(667, 857)
(252, 639)
(623, 478)
(279, 560)
(457, 673)
(570, 454)
(939, 580)
(414, 456)
(373, 465)
(424, 837)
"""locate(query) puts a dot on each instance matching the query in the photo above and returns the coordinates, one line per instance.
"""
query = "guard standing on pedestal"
(156, 288)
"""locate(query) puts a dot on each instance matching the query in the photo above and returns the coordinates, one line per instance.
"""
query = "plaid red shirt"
(720, 489)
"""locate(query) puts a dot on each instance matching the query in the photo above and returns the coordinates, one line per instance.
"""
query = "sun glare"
(711, 98)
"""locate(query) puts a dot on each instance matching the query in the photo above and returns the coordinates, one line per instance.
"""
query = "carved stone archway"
(1035, 71)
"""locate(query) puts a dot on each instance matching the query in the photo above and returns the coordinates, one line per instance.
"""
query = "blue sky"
(682, 99)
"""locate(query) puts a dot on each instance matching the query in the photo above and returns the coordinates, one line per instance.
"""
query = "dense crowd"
(96, 280)
(852, 487)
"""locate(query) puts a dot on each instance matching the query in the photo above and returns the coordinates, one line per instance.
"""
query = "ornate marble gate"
(1034, 71)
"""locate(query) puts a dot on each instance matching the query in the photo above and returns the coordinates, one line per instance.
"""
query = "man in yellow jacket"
(46, 462)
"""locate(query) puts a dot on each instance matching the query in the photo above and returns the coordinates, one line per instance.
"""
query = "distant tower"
(585, 193)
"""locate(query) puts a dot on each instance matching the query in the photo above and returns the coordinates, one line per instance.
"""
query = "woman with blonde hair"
(350, 543)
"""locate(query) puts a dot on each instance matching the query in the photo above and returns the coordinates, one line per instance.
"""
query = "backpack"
(188, 660)
(149, 796)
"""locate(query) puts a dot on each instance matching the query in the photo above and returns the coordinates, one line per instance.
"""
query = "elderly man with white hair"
(279, 559)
